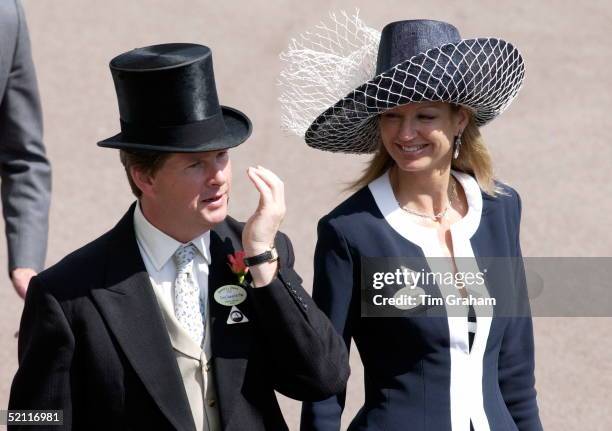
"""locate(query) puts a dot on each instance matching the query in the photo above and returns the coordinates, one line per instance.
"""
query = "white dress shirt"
(157, 250)
(194, 362)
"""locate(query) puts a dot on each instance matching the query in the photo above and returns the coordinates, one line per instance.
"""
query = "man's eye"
(222, 154)
(426, 117)
(195, 165)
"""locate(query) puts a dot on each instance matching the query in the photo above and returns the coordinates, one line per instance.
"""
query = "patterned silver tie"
(187, 307)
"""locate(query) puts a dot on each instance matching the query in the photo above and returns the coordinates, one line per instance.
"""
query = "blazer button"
(212, 403)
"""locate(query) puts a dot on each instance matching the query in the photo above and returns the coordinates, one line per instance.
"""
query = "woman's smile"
(413, 150)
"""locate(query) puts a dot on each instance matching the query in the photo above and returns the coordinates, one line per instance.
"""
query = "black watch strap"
(267, 256)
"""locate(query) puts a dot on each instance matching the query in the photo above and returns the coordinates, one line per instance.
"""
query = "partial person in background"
(24, 168)
(428, 195)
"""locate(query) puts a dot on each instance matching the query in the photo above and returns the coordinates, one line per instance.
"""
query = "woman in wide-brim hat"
(428, 192)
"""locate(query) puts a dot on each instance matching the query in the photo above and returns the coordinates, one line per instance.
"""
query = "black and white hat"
(416, 61)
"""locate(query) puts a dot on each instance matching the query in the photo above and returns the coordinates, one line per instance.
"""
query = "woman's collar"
(401, 222)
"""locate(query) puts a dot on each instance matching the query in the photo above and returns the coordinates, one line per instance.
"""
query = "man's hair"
(148, 162)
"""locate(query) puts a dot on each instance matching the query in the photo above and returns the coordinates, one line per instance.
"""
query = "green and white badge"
(230, 295)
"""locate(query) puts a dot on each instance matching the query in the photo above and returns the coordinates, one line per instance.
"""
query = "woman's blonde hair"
(474, 159)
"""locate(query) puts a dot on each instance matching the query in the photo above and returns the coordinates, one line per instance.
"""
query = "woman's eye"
(222, 154)
(390, 116)
(426, 117)
(195, 165)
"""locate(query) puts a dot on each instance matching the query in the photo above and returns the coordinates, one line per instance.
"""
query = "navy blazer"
(407, 361)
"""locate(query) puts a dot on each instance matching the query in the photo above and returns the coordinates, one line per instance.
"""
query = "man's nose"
(219, 175)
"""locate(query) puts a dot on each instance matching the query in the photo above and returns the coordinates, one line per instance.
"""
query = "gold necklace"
(452, 194)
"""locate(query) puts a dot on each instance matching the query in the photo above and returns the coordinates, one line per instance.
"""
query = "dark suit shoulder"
(359, 202)
(507, 197)
(357, 211)
(234, 224)
(505, 192)
(76, 273)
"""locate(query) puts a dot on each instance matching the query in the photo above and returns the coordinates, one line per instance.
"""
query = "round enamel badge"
(230, 295)
(407, 298)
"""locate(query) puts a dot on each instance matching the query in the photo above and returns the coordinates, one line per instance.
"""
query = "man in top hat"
(154, 324)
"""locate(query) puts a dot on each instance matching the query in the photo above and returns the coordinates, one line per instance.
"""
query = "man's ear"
(143, 180)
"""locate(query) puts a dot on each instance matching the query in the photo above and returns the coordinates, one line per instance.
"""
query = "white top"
(466, 365)
(427, 237)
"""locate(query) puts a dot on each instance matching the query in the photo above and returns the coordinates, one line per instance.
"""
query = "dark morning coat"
(93, 342)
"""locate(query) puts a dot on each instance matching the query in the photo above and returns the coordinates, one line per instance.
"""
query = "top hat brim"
(483, 74)
(238, 128)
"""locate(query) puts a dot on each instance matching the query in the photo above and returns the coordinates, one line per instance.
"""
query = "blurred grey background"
(552, 145)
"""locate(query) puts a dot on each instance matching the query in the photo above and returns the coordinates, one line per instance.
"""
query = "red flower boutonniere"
(236, 264)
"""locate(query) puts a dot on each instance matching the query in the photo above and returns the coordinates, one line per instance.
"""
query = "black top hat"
(168, 102)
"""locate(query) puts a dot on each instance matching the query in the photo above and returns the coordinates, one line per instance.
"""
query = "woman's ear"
(463, 118)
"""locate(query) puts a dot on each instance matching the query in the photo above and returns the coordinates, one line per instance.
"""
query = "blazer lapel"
(230, 344)
(131, 311)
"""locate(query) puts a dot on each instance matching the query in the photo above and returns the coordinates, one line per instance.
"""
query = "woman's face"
(419, 136)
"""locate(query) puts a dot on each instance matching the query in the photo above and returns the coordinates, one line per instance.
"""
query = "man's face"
(189, 193)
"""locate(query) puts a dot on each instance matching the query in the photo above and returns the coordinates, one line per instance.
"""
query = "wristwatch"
(267, 256)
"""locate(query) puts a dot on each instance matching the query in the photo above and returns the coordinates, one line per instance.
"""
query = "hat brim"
(238, 128)
(483, 74)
